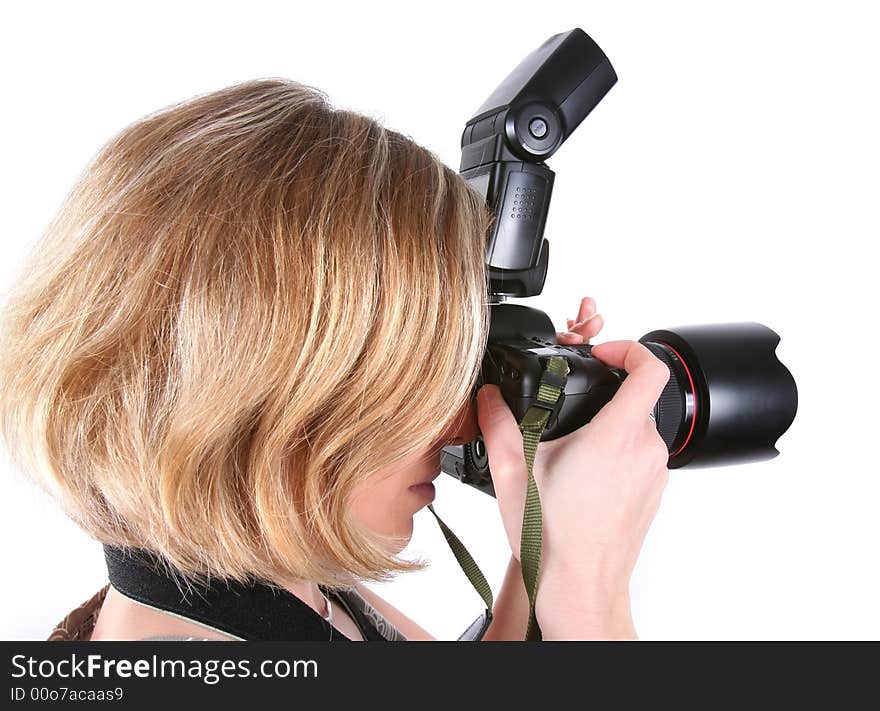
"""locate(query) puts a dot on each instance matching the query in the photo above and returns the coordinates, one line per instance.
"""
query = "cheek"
(383, 505)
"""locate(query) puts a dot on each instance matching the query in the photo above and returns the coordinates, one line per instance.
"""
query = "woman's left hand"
(512, 496)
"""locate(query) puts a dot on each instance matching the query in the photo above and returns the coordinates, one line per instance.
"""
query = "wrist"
(577, 611)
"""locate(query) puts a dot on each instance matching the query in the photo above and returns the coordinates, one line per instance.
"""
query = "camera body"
(728, 399)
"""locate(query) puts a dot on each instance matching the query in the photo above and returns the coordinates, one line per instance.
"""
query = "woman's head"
(245, 335)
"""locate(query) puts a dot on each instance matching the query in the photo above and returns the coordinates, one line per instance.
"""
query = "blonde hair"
(249, 303)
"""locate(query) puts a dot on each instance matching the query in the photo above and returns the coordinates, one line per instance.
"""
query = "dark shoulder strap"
(373, 626)
(251, 611)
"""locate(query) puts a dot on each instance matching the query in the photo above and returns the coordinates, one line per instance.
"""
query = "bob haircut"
(249, 303)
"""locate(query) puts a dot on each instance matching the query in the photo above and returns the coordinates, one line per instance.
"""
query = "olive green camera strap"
(532, 426)
(466, 561)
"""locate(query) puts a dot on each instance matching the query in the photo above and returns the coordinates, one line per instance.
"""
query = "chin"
(401, 536)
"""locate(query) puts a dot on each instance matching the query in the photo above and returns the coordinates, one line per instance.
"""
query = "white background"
(731, 174)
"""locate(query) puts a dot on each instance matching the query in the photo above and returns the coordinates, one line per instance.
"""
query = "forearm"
(511, 613)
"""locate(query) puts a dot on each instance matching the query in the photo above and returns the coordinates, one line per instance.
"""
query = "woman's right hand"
(600, 488)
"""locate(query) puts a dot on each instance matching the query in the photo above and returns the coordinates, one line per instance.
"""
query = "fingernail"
(572, 334)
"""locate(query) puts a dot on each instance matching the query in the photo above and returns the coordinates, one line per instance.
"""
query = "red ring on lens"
(687, 371)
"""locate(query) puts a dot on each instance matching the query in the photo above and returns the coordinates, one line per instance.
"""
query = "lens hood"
(744, 398)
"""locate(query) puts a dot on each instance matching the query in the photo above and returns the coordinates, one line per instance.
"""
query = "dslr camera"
(728, 399)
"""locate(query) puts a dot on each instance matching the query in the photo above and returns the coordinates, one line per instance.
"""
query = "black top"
(255, 610)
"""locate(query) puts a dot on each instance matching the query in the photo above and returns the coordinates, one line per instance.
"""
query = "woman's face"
(387, 502)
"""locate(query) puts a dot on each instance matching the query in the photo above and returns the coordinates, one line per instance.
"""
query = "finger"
(581, 333)
(586, 310)
(568, 338)
(504, 444)
(591, 327)
(646, 377)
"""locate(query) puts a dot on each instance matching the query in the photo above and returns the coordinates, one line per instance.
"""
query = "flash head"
(522, 123)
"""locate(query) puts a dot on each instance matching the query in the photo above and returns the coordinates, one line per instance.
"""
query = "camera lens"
(728, 399)
(676, 409)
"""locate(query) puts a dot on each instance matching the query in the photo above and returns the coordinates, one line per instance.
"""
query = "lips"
(425, 490)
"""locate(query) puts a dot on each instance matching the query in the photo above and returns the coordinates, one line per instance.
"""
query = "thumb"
(504, 444)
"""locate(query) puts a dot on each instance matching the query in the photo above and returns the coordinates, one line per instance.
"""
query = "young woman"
(241, 345)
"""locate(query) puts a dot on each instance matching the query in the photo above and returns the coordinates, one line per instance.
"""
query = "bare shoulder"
(407, 627)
